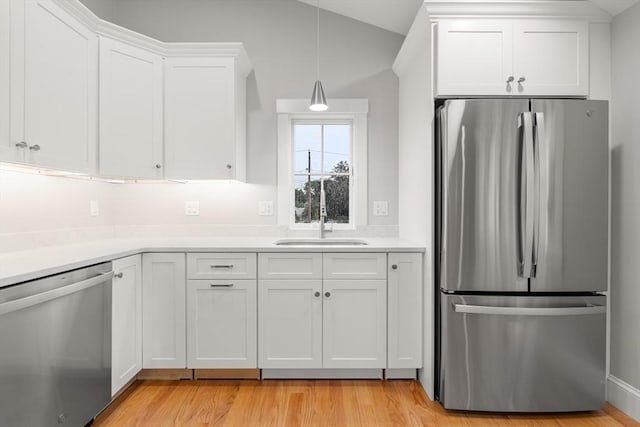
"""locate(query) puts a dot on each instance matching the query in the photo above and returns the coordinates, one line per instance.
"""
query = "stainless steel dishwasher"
(55, 349)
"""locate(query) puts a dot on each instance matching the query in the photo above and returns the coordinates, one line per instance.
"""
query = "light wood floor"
(246, 403)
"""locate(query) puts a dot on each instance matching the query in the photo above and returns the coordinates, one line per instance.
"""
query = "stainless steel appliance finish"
(526, 354)
(522, 252)
(55, 356)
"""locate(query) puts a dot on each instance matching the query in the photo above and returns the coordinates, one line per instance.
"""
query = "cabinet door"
(405, 310)
(221, 324)
(200, 118)
(130, 111)
(126, 321)
(8, 151)
(163, 309)
(354, 324)
(474, 57)
(552, 56)
(290, 319)
(55, 100)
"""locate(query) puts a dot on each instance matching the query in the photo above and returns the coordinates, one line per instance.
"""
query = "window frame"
(296, 111)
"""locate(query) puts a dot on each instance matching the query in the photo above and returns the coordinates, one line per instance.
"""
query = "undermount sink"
(321, 242)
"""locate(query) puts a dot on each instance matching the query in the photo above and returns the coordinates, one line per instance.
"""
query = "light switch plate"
(94, 208)
(380, 208)
(265, 207)
(192, 208)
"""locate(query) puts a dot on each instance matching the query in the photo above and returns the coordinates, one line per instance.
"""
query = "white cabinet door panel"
(552, 56)
(199, 118)
(59, 89)
(164, 317)
(130, 111)
(296, 265)
(354, 266)
(355, 324)
(8, 150)
(126, 320)
(474, 57)
(290, 319)
(221, 324)
(405, 311)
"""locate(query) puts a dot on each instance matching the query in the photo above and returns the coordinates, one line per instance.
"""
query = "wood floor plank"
(285, 403)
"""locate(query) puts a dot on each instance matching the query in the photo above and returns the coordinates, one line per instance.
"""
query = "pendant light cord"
(318, 41)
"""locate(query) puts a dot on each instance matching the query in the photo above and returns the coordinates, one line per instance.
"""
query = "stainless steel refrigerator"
(521, 259)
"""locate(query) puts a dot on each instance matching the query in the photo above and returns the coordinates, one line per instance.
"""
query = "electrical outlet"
(94, 208)
(380, 208)
(265, 208)
(192, 208)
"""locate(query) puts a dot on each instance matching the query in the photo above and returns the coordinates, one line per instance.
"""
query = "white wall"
(279, 36)
(416, 167)
(37, 209)
(625, 213)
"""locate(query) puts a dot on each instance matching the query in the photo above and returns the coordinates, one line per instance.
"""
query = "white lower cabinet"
(312, 323)
(221, 324)
(126, 321)
(354, 314)
(163, 309)
(290, 323)
(405, 311)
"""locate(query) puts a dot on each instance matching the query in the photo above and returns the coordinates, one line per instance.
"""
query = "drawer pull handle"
(221, 285)
(119, 275)
(221, 265)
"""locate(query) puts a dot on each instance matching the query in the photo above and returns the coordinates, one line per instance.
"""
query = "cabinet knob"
(316, 294)
(521, 79)
(119, 275)
(228, 166)
(35, 147)
(327, 294)
(394, 266)
(21, 144)
(510, 79)
(158, 166)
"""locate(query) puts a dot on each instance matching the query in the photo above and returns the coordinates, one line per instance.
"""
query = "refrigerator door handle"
(530, 311)
(527, 200)
(540, 175)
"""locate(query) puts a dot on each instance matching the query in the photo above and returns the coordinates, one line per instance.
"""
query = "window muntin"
(322, 153)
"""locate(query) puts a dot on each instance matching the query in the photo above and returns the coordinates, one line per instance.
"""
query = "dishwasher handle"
(31, 300)
(530, 311)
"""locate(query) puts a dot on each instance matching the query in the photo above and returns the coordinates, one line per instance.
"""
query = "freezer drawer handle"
(530, 311)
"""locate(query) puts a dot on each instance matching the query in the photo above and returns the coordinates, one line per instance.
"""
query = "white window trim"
(354, 110)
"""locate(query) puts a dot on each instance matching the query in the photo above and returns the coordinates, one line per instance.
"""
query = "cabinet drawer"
(290, 266)
(355, 266)
(221, 266)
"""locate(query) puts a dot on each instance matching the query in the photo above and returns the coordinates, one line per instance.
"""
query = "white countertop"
(16, 267)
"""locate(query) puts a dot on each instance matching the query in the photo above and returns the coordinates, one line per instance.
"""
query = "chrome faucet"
(323, 215)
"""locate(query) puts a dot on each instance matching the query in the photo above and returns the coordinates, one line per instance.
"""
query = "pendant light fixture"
(318, 100)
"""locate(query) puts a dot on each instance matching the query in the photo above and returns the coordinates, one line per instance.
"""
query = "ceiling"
(397, 15)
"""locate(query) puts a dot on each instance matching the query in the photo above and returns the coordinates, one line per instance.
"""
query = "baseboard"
(400, 374)
(624, 397)
(165, 374)
(322, 374)
(217, 374)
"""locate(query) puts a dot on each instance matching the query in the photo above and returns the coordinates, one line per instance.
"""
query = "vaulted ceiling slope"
(398, 15)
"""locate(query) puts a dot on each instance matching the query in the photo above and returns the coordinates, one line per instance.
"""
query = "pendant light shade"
(318, 100)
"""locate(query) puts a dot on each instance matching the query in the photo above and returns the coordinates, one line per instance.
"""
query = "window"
(322, 162)
(322, 152)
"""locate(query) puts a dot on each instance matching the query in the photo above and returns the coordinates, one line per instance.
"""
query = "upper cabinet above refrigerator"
(507, 57)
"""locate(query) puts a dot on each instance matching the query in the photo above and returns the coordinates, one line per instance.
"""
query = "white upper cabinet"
(130, 111)
(552, 57)
(204, 118)
(505, 57)
(53, 87)
(7, 150)
(474, 57)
